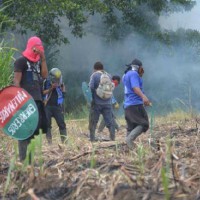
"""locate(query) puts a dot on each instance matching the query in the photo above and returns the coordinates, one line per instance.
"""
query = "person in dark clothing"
(29, 71)
(100, 105)
(134, 102)
(54, 93)
(115, 106)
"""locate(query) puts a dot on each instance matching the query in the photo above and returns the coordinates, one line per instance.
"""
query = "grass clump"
(6, 55)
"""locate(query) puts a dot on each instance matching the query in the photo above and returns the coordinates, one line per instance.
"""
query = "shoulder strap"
(46, 100)
(95, 73)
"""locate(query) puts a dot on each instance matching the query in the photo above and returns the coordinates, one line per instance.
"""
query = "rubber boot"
(115, 124)
(22, 146)
(112, 132)
(127, 134)
(63, 135)
(49, 136)
(133, 135)
(92, 134)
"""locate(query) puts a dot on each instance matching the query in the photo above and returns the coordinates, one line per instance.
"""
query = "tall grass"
(6, 61)
(93, 158)
(165, 170)
(34, 147)
(11, 168)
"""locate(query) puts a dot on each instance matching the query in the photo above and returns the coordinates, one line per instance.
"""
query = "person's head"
(137, 64)
(33, 49)
(35, 44)
(55, 76)
(116, 80)
(98, 66)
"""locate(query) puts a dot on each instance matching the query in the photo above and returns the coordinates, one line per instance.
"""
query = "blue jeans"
(106, 111)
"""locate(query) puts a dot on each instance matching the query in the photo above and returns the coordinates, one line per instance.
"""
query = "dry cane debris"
(163, 165)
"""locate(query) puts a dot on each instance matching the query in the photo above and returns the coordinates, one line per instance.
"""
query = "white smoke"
(169, 73)
(186, 19)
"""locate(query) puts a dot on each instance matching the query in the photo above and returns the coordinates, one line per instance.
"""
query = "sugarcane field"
(164, 162)
(99, 100)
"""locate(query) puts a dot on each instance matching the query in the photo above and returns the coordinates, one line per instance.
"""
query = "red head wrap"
(29, 53)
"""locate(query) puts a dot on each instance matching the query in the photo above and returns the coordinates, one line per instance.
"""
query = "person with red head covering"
(30, 70)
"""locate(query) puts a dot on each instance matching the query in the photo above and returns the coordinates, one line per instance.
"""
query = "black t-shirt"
(31, 77)
(53, 101)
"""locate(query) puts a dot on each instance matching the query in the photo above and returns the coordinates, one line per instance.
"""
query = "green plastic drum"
(86, 92)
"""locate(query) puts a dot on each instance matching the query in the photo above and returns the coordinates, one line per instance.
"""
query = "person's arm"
(17, 78)
(44, 69)
(49, 90)
(139, 92)
(114, 102)
(91, 84)
(63, 89)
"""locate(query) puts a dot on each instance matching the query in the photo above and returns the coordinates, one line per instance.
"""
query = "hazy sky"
(186, 20)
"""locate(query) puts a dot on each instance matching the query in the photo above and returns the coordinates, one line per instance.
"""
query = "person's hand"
(63, 88)
(54, 85)
(41, 53)
(146, 101)
(116, 105)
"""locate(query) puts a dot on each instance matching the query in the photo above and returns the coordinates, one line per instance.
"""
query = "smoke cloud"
(171, 74)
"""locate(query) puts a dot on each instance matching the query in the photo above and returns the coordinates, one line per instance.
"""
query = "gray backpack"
(106, 86)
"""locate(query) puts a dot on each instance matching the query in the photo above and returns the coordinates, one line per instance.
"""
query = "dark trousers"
(103, 124)
(106, 111)
(23, 144)
(136, 115)
(58, 114)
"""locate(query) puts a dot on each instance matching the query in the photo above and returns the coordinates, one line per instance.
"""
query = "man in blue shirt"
(134, 102)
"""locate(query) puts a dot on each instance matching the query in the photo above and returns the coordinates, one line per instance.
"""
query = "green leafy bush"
(6, 55)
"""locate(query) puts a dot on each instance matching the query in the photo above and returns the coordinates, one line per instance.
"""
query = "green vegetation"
(47, 16)
(6, 54)
(35, 147)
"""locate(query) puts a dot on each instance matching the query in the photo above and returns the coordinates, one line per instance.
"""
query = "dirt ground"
(164, 164)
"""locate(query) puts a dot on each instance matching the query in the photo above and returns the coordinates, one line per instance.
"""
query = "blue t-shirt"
(130, 80)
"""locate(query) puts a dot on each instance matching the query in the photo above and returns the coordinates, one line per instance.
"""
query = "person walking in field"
(54, 94)
(115, 106)
(29, 71)
(134, 101)
(101, 87)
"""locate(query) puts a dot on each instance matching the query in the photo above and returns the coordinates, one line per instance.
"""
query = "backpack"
(106, 86)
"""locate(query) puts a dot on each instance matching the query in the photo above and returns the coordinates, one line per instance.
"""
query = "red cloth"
(115, 82)
(29, 53)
